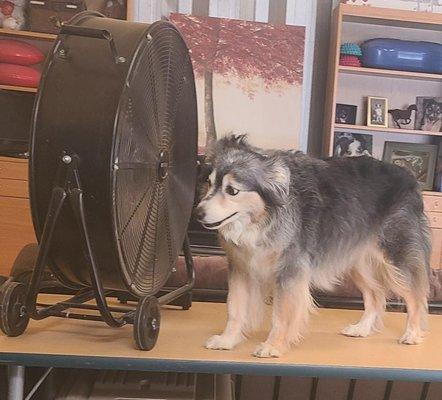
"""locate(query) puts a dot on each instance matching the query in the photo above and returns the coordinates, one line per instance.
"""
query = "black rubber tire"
(13, 316)
(147, 323)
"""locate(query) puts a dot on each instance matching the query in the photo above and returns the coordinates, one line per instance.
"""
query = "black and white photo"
(377, 108)
(346, 114)
(429, 114)
(348, 144)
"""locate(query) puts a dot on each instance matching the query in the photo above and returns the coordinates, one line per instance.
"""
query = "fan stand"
(18, 303)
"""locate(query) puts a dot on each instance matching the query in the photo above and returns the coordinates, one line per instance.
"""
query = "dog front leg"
(292, 303)
(237, 318)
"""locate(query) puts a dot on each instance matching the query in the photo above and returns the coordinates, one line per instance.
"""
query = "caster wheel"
(186, 301)
(13, 316)
(147, 323)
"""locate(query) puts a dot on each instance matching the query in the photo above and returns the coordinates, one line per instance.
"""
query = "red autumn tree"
(244, 49)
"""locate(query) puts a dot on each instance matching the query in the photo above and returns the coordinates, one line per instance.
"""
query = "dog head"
(433, 111)
(245, 184)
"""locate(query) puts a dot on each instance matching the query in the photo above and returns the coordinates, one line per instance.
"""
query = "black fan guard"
(130, 126)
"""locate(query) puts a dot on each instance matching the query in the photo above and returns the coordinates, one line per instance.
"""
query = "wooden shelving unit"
(370, 15)
(351, 85)
(389, 73)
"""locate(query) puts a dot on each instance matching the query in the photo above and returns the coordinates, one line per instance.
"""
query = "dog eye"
(230, 190)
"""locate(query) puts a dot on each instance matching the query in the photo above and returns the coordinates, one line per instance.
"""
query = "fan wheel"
(147, 323)
(13, 316)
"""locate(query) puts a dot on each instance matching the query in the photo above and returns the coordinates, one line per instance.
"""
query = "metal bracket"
(93, 33)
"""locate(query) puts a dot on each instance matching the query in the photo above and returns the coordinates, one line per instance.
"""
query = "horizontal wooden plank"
(434, 219)
(14, 188)
(27, 34)
(16, 230)
(13, 170)
(180, 346)
(387, 73)
(386, 130)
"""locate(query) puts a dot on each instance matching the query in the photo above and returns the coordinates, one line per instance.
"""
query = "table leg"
(16, 375)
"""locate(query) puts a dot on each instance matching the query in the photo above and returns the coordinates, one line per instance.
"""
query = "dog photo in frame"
(377, 112)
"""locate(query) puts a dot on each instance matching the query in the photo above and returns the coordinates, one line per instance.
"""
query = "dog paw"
(411, 337)
(356, 330)
(221, 342)
(266, 350)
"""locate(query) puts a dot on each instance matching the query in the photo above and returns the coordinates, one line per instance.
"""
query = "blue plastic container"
(402, 55)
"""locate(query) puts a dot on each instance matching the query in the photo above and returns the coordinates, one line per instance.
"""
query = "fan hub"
(163, 165)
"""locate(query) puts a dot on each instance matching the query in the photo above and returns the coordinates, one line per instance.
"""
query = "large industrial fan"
(112, 173)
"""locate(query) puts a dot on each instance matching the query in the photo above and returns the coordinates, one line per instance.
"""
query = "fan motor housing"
(118, 99)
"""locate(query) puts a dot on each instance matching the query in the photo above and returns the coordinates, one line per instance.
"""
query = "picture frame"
(377, 112)
(428, 114)
(345, 114)
(349, 144)
(419, 159)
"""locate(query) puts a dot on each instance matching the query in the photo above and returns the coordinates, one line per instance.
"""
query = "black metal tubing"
(93, 33)
(190, 268)
(68, 186)
(57, 200)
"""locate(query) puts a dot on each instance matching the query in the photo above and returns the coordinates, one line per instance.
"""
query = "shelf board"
(431, 193)
(387, 130)
(389, 73)
(27, 34)
(389, 16)
(18, 88)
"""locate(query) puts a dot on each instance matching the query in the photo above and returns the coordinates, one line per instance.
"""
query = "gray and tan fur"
(290, 223)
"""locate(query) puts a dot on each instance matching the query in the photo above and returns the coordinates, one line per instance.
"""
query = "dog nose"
(200, 213)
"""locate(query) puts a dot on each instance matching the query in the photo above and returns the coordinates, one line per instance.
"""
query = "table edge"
(219, 367)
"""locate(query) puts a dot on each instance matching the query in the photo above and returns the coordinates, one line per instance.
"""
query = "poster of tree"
(248, 78)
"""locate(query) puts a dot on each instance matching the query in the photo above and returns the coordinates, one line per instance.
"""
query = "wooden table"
(85, 344)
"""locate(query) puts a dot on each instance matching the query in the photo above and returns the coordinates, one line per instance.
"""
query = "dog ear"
(276, 184)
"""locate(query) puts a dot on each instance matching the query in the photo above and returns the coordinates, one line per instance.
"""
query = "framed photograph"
(347, 144)
(377, 108)
(428, 114)
(346, 114)
(418, 158)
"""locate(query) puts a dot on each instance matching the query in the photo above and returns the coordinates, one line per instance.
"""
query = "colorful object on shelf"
(12, 15)
(402, 55)
(21, 53)
(351, 49)
(19, 75)
(349, 61)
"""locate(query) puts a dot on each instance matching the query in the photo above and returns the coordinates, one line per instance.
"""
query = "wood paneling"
(13, 170)
(14, 188)
(435, 259)
(16, 230)
(433, 203)
(435, 219)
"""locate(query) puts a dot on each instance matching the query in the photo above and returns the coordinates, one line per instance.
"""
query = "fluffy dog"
(290, 223)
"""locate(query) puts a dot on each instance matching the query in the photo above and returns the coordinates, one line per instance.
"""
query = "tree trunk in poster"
(209, 110)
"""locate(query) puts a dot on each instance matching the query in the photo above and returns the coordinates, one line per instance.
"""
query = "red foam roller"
(21, 53)
(19, 75)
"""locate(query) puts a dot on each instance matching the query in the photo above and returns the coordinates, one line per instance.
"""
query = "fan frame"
(68, 192)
